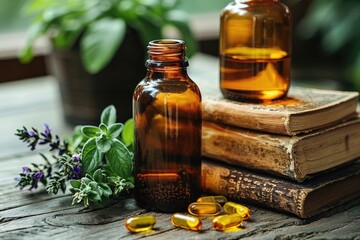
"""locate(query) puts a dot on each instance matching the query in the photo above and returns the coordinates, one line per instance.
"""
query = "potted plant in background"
(98, 48)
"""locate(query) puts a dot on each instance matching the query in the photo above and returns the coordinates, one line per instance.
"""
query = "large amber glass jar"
(255, 50)
(167, 116)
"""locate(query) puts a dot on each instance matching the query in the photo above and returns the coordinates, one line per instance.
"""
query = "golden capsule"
(140, 224)
(231, 207)
(204, 209)
(227, 221)
(218, 199)
(186, 221)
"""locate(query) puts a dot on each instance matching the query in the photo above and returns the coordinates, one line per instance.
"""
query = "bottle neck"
(167, 59)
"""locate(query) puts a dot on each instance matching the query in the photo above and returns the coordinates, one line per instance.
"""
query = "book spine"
(241, 185)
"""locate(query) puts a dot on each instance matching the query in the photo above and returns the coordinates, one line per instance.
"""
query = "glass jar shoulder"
(251, 8)
(174, 89)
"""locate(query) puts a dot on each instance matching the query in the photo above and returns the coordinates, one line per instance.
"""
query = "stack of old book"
(298, 154)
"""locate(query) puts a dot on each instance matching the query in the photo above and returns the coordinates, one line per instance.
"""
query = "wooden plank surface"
(37, 215)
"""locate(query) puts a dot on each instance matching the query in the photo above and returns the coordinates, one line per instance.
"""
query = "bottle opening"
(167, 50)
(167, 41)
(161, 45)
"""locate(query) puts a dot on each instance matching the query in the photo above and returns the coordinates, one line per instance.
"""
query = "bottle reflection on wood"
(167, 115)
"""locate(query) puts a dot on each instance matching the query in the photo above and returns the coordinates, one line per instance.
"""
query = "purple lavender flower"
(34, 132)
(47, 130)
(29, 136)
(33, 138)
(47, 137)
(38, 176)
(31, 133)
(76, 158)
(76, 173)
(63, 148)
(25, 134)
(26, 170)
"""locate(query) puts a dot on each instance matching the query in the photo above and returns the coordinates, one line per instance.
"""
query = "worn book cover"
(295, 157)
(303, 110)
(304, 200)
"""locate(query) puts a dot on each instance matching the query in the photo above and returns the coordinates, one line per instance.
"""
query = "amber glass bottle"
(167, 115)
(255, 50)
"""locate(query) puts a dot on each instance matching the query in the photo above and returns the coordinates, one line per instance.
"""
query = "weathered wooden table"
(37, 215)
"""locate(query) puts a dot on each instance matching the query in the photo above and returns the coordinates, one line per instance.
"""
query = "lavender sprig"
(31, 177)
(34, 138)
(29, 136)
(43, 172)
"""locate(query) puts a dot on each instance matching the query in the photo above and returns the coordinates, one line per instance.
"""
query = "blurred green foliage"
(100, 26)
(337, 24)
(10, 17)
(203, 6)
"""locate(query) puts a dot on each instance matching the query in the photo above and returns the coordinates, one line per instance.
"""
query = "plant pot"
(85, 95)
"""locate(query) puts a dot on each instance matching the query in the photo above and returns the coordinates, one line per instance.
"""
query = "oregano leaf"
(90, 131)
(98, 176)
(103, 128)
(86, 180)
(94, 186)
(119, 159)
(115, 130)
(86, 201)
(75, 183)
(108, 115)
(77, 138)
(90, 157)
(127, 134)
(94, 196)
(103, 144)
(106, 189)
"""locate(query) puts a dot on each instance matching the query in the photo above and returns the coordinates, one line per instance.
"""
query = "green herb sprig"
(96, 161)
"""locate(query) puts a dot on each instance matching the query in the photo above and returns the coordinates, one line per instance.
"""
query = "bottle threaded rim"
(165, 46)
(167, 52)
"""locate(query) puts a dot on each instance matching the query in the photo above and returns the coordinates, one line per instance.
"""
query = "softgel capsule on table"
(140, 224)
